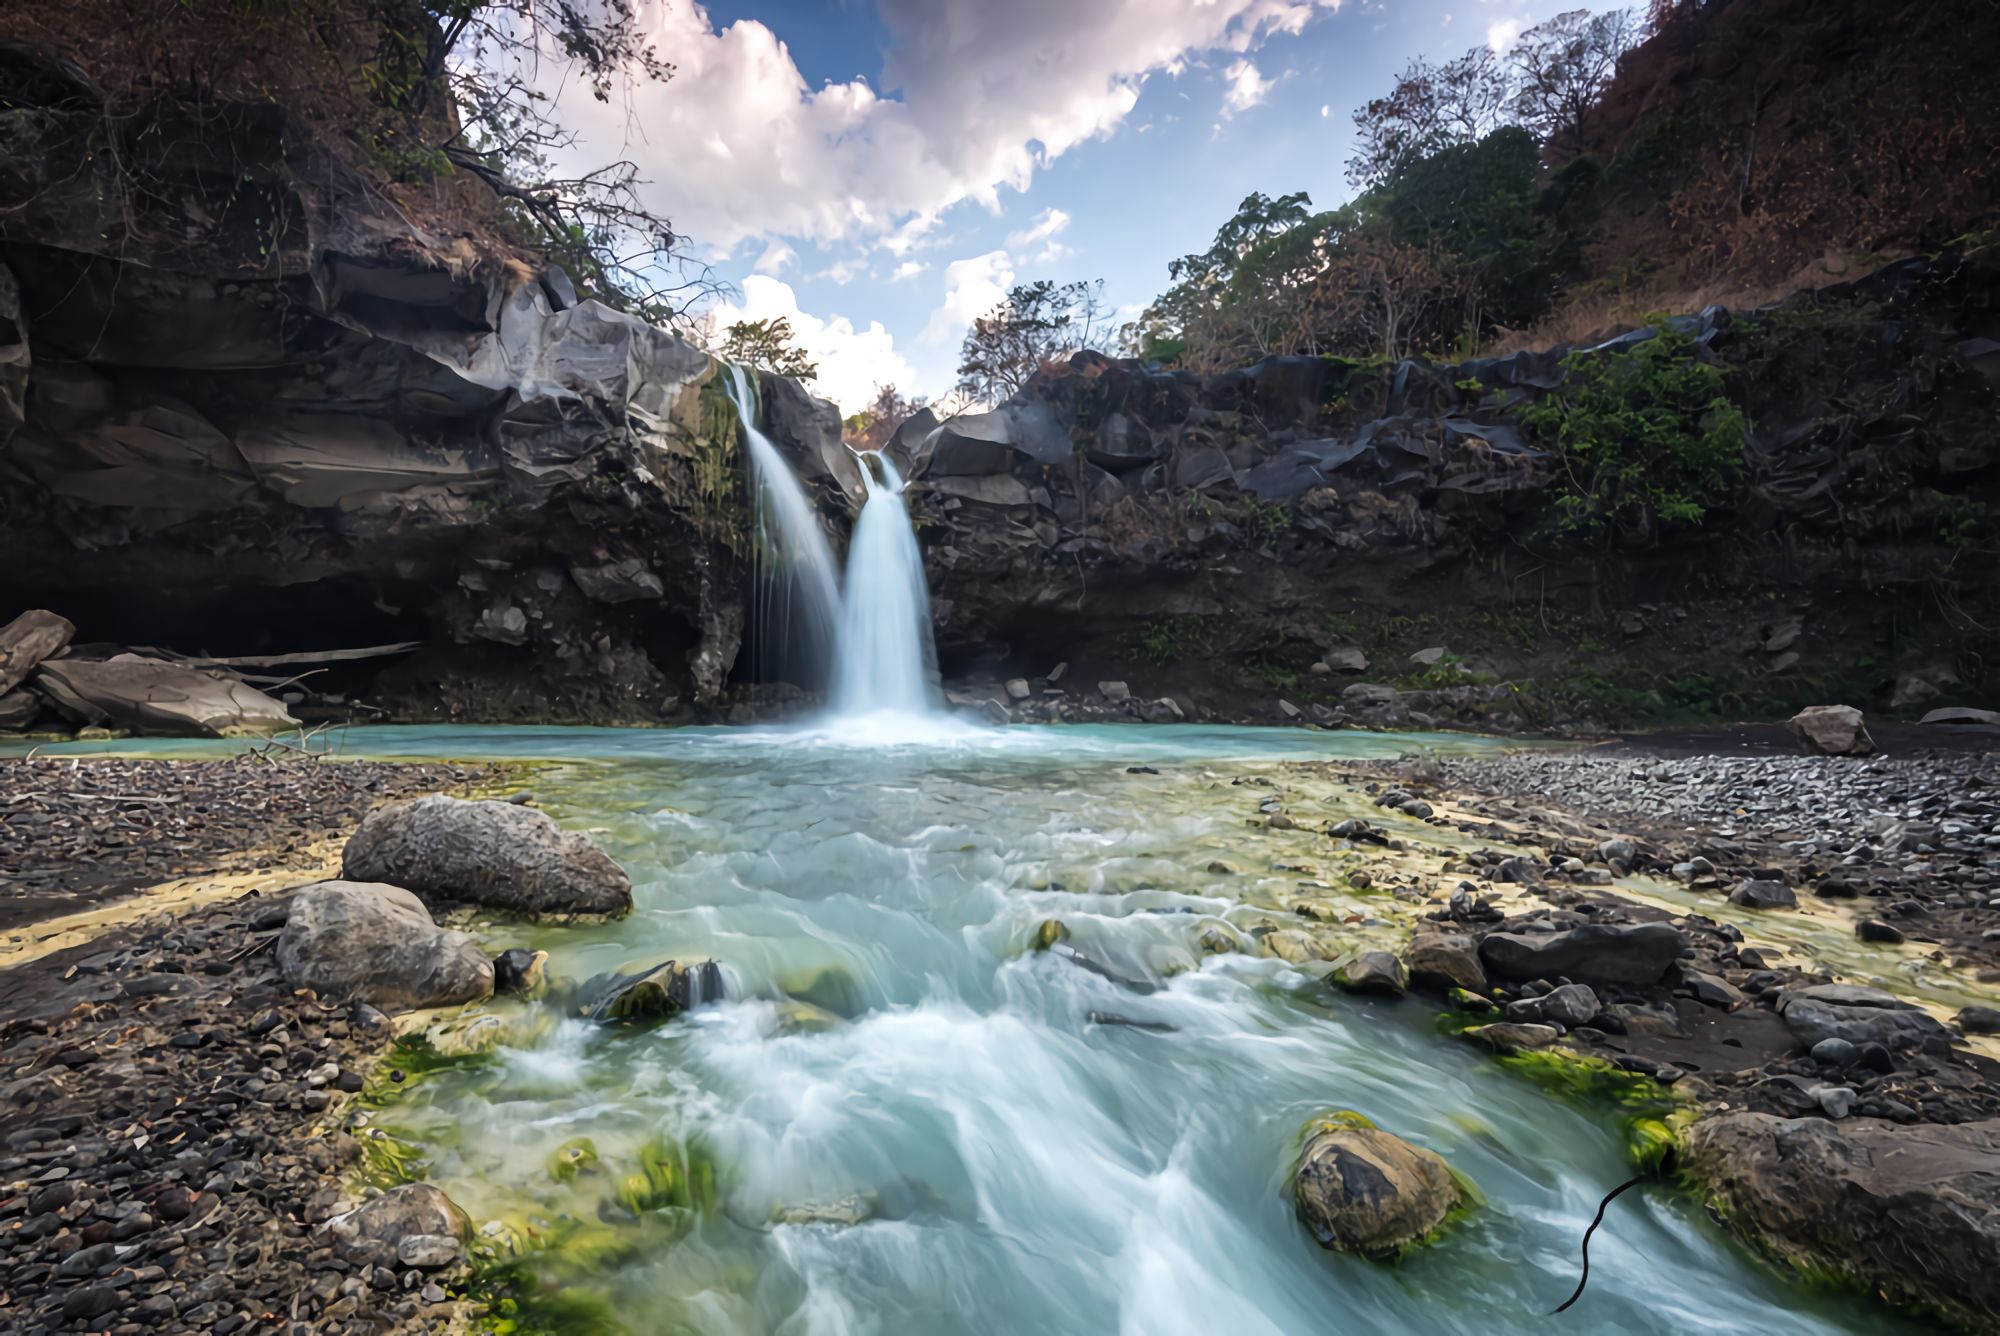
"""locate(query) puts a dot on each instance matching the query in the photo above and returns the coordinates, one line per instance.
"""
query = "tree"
(873, 426)
(1431, 107)
(766, 345)
(1039, 324)
(1562, 67)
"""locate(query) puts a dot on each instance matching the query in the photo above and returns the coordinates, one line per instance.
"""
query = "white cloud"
(1500, 34)
(972, 287)
(1046, 225)
(852, 362)
(737, 145)
(775, 258)
(1325, 111)
(843, 272)
(1245, 88)
(908, 269)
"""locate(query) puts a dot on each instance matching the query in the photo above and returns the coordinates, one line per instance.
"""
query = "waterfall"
(796, 600)
(884, 661)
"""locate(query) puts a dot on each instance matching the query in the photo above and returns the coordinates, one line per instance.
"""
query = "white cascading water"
(884, 661)
(797, 602)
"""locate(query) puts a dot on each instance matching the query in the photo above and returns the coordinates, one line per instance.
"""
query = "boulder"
(1913, 1211)
(1860, 1016)
(26, 641)
(1362, 1190)
(1165, 710)
(521, 972)
(1832, 730)
(1442, 960)
(1979, 1020)
(652, 994)
(1425, 658)
(153, 696)
(1752, 893)
(415, 1224)
(371, 943)
(627, 581)
(1514, 1036)
(1373, 972)
(1368, 696)
(18, 709)
(1114, 692)
(1634, 954)
(1571, 1005)
(500, 855)
(1345, 659)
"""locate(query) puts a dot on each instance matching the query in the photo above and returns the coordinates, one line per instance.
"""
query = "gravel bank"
(79, 831)
(1918, 838)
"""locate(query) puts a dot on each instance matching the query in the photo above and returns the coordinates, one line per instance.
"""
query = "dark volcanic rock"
(1860, 1016)
(1913, 1211)
(1635, 954)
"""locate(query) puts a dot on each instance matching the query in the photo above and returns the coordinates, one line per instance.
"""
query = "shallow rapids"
(960, 1134)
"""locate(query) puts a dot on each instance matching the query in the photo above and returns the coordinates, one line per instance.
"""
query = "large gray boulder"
(1635, 954)
(26, 641)
(500, 855)
(371, 943)
(1913, 1211)
(1832, 730)
(1362, 1190)
(154, 696)
(1860, 1016)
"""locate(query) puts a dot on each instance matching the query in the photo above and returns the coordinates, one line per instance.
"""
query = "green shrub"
(1644, 439)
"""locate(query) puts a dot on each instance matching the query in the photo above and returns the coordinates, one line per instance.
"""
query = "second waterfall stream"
(871, 641)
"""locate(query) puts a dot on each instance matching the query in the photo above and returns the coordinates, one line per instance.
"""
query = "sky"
(880, 171)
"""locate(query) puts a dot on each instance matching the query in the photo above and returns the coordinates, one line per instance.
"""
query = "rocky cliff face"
(245, 405)
(1220, 536)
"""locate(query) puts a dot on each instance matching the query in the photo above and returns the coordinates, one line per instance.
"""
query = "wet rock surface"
(1914, 1212)
(79, 831)
(1363, 1190)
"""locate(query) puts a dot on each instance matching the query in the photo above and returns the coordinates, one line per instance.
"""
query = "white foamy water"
(796, 601)
(884, 663)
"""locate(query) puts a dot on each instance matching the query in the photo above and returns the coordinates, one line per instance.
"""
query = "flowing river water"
(903, 1119)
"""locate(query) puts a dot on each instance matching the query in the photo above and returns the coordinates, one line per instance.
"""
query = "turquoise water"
(966, 1138)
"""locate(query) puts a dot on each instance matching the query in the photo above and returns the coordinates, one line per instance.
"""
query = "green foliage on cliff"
(1644, 439)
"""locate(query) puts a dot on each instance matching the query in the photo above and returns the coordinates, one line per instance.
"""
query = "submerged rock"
(416, 1216)
(372, 943)
(1832, 730)
(1363, 1190)
(497, 854)
(1373, 972)
(1636, 954)
(1913, 1211)
(521, 972)
(659, 993)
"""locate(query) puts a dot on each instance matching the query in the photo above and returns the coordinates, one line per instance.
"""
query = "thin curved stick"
(1584, 1279)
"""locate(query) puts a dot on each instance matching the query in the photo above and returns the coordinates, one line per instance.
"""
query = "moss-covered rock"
(650, 994)
(1366, 1191)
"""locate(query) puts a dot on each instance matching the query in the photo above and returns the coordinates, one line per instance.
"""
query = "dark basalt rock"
(1636, 954)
